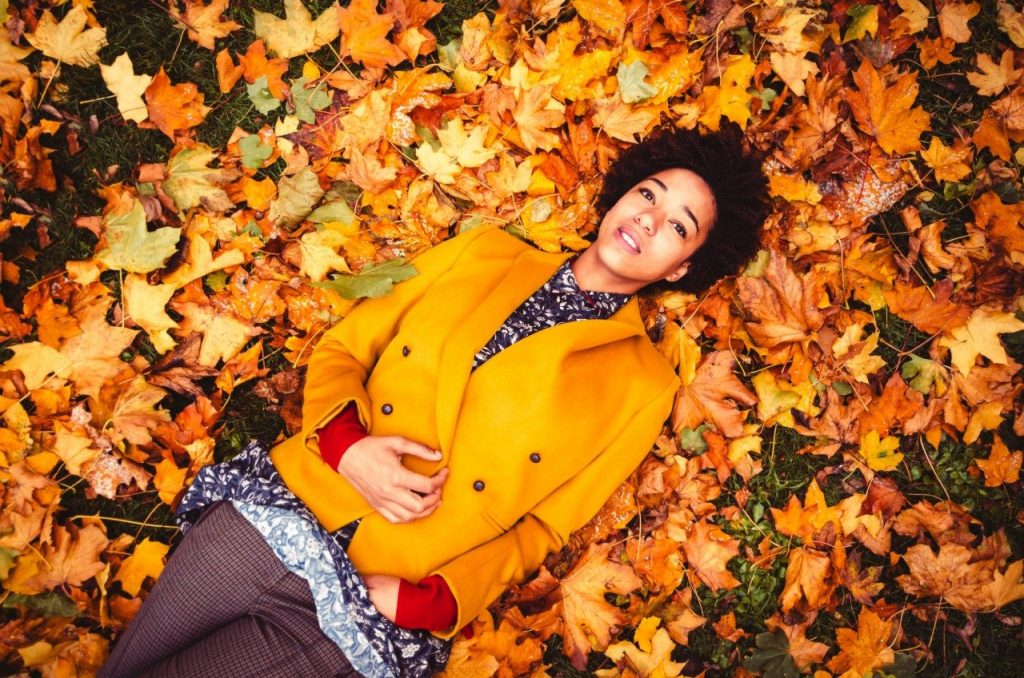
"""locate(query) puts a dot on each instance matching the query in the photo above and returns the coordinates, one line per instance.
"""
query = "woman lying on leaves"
(453, 434)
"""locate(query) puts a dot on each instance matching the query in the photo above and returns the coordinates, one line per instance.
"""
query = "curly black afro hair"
(731, 171)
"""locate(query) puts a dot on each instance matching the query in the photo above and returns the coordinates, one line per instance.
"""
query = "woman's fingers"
(405, 446)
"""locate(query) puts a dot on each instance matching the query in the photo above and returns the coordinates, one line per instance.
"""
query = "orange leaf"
(808, 577)
(1002, 466)
(174, 107)
(715, 394)
(589, 619)
(953, 18)
(708, 550)
(227, 72)
(867, 648)
(885, 112)
(364, 35)
(204, 22)
(255, 64)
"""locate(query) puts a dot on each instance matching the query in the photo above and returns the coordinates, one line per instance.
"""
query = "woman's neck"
(591, 276)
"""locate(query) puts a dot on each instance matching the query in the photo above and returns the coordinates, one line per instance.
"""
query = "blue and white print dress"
(373, 644)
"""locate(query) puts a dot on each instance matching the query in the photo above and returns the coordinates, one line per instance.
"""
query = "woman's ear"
(678, 273)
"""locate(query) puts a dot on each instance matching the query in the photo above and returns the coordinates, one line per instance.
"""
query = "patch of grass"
(141, 514)
(447, 25)
(246, 418)
(896, 337)
(991, 650)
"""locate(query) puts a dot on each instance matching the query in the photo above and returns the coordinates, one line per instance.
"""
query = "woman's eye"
(680, 229)
(646, 193)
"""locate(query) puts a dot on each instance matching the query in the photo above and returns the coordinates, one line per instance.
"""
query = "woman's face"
(654, 228)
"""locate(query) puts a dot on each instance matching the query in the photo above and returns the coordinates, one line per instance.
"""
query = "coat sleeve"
(479, 576)
(343, 359)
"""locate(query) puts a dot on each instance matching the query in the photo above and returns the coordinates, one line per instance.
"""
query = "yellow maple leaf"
(953, 18)
(652, 653)
(121, 80)
(950, 164)
(147, 560)
(320, 255)
(169, 480)
(608, 16)
(1008, 586)
(536, 112)
(880, 454)
(986, 417)
(867, 648)
(994, 78)
(731, 98)
(298, 33)
(467, 150)
(1011, 22)
(1002, 466)
(135, 413)
(10, 55)
(68, 41)
(914, 18)
(887, 112)
(74, 449)
(145, 305)
(980, 337)
(204, 22)
(808, 577)
(364, 35)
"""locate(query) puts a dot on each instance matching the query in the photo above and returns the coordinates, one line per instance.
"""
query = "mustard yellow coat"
(535, 439)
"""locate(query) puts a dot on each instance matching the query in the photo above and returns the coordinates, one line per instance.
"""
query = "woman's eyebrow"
(687, 210)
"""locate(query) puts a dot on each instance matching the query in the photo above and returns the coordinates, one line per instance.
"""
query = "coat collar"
(531, 269)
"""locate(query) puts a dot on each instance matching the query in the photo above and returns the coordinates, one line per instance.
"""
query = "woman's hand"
(373, 466)
(383, 593)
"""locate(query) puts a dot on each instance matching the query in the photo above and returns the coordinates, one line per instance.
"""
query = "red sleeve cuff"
(339, 434)
(428, 605)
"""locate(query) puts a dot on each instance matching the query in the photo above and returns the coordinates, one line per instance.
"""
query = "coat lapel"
(529, 271)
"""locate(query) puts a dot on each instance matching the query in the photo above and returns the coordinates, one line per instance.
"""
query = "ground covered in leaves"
(193, 191)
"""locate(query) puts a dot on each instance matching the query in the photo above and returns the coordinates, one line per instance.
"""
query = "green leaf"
(842, 388)
(49, 604)
(308, 100)
(448, 54)
(296, 196)
(692, 440)
(335, 211)
(374, 280)
(254, 151)
(7, 557)
(772, 656)
(191, 182)
(259, 94)
(920, 372)
(632, 87)
(130, 247)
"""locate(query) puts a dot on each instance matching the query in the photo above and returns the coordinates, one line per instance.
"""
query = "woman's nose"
(646, 221)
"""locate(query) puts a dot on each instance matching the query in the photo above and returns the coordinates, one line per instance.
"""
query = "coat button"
(405, 351)
(386, 408)
(478, 486)
(535, 457)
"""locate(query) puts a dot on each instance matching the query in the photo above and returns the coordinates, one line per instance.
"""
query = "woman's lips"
(628, 240)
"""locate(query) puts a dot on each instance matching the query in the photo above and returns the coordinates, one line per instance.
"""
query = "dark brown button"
(478, 486)
(386, 408)
(535, 457)
(405, 351)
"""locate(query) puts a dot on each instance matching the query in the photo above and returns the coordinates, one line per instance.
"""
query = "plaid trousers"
(226, 606)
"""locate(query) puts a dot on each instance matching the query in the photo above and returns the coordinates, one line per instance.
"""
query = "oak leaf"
(1002, 466)
(298, 33)
(174, 107)
(886, 112)
(147, 560)
(68, 41)
(204, 22)
(121, 80)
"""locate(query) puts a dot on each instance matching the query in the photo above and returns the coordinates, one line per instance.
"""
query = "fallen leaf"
(298, 33)
(147, 560)
(121, 80)
(204, 22)
(173, 108)
(68, 41)
(1002, 466)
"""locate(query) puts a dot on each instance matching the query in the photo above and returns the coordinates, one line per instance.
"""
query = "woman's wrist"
(339, 435)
